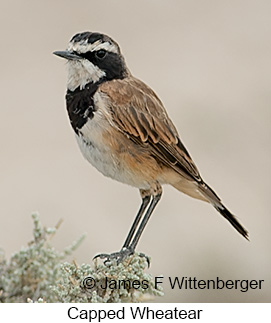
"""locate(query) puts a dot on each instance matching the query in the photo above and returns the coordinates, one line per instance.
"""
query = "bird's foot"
(119, 256)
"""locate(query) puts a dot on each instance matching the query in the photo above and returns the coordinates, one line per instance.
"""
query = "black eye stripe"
(87, 55)
(100, 54)
(111, 63)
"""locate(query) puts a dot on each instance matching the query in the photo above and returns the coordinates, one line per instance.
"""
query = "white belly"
(95, 151)
(101, 156)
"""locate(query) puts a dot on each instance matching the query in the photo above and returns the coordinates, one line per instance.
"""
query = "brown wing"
(137, 111)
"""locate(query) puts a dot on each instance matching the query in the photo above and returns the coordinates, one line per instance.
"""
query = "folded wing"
(137, 112)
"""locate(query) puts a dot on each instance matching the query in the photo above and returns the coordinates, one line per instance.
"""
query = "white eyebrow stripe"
(98, 45)
(108, 47)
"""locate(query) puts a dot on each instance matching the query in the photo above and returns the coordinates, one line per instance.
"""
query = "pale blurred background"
(209, 62)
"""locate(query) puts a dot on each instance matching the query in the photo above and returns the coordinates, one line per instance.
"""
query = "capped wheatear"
(124, 131)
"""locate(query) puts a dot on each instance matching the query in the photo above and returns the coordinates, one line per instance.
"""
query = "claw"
(120, 256)
(146, 257)
(115, 256)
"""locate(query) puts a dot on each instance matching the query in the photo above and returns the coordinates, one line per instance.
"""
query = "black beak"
(68, 55)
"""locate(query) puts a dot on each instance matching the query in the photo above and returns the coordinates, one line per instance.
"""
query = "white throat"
(82, 72)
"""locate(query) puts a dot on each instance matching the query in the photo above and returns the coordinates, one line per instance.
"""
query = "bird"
(123, 130)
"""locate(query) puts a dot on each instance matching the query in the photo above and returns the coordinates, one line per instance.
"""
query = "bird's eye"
(100, 53)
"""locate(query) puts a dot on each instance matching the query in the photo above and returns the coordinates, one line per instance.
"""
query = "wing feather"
(137, 112)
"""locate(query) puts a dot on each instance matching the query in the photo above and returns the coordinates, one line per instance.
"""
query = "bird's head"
(92, 57)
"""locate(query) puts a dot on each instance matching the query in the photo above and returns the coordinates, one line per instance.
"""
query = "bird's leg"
(146, 197)
(155, 200)
(129, 247)
(125, 250)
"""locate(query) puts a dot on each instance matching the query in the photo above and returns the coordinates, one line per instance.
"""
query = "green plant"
(38, 273)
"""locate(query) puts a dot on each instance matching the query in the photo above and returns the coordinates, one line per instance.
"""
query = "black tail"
(232, 219)
(216, 202)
